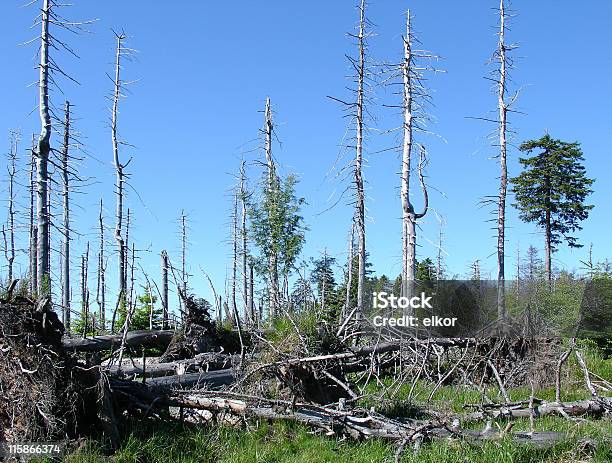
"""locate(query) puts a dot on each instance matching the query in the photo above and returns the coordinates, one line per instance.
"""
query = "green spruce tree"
(551, 191)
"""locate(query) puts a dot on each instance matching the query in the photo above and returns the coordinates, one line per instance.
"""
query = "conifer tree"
(551, 191)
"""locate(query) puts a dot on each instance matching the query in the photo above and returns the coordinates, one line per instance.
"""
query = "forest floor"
(587, 441)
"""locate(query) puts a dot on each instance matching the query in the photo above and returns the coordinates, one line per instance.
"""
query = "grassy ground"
(283, 442)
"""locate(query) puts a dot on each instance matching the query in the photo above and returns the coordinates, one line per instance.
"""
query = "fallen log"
(202, 362)
(593, 407)
(356, 424)
(141, 338)
(212, 379)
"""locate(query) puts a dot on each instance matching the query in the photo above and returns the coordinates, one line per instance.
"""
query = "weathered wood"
(141, 338)
(207, 362)
(357, 425)
(209, 379)
(594, 407)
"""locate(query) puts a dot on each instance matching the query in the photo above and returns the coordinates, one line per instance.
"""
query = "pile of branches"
(320, 379)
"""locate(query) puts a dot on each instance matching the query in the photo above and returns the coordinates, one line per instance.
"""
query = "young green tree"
(322, 276)
(426, 270)
(551, 191)
(278, 229)
(146, 314)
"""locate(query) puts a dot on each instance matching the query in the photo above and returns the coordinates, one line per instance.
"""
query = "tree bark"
(359, 188)
(33, 226)
(501, 206)
(548, 248)
(273, 282)
(43, 284)
(101, 293)
(66, 226)
(248, 315)
(119, 177)
(164, 268)
(12, 171)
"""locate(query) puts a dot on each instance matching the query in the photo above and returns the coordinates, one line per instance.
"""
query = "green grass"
(284, 442)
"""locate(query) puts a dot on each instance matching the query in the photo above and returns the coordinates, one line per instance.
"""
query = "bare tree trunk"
(409, 216)
(164, 298)
(253, 315)
(132, 298)
(66, 226)
(33, 228)
(126, 245)
(101, 293)
(349, 275)
(503, 185)
(358, 174)
(272, 181)
(439, 265)
(248, 316)
(234, 253)
(12, 171)
(184, 275)
(85, 291)
(43, 284)
(548, 249)
(119, 177)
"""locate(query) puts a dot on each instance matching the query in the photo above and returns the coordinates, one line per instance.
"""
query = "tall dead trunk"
(184, 275)
(439, 259)
(33, 227)
(409, 215)
(126, 246)
(503, 179)
(101, 292)
(234, 252)
(349, 273)
(165, 264)
(358, 166)
(66, 221)
(244, 248)
(119, 176)
(12, 172)
(273, 283)
(85, 291)
(254, 316)
(43, 283)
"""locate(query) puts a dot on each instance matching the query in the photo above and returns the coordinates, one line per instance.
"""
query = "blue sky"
(204, 70)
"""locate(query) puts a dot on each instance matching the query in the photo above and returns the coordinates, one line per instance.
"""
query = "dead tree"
(9, 248)
(255, 318)
(119, 171)
(43, 283)
(503, 105)
(184, 275)
(66, 219)
(85, 291)
(101, 285)
(349, 270)
(360, 66)
(440, 257)
(247, 303)
(165, 265)
(234, 215)
(272, 181)
(126, 245)
(409, 216)
(33, 228)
